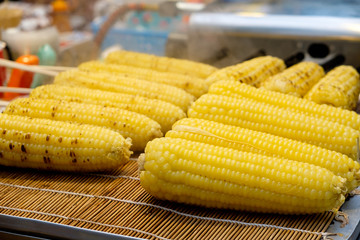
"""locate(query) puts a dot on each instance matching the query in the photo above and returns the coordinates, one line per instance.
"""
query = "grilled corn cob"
(251, 72)
(162, 112)
(296, 80)
(193, 85)
(162, 64)
(55, 145)
(121, 84)
(264, 117)
(138, 127)
(247, 140)
(211, 176)
(291, 103)
(340, 88)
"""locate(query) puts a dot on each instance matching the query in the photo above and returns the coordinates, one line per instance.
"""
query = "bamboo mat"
(116, 203)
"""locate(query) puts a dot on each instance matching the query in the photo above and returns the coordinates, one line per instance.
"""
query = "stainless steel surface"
(16, 236)
(24, 228)
(335, 8)
(17, 227)
(324, 31)
(259, 24)
(224, 39)
(352, 229)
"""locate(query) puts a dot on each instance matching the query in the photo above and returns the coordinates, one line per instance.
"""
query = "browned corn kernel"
(251, 72)
(162, 112)
(296, 80)
(138, 127)
(340, 88)
(56, 145)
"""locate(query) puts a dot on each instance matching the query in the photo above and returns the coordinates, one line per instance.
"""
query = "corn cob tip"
(356, 181)
(341, 200)
(125, 151)
(141, 162)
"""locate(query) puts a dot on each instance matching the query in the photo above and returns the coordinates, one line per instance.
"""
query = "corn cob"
(55, 145)
(193, 85)
(247, 140)
(211, 176)
(251, 72)
(291, 103)
(138, 127)
(296, 80)
(263, 117)
(121, 84)
(162, 64)
(340, 88)
(162, 112)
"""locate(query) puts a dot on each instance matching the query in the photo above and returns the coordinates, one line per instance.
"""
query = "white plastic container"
(29, 42)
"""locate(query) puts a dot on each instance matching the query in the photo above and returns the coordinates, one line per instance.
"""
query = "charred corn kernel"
(264, 117)
(291, 103)
(212, 176)
(242, 139)
(138, 127)
(193, 85)
(162, 64)
(251, 72)
(56, 145)
(296, 80)
(340, 88)
(122, 84)
(162, 112)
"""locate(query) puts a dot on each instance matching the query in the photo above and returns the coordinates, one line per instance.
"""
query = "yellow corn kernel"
(340, 88)
(199, 135)
(296, 80)
(127, 85)
(162, 64)
(264, 117)
(247, 140)
(193, 85)
(138, 127)
(212, 176)
(162, 112)
(291, 103)
(56, 145)
(251, 72)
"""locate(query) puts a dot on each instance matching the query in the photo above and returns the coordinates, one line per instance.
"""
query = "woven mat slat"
(116, 203)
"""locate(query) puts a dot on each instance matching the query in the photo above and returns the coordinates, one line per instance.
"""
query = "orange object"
(20, 78)
(60, 15)
(60, 6)
(2, 69)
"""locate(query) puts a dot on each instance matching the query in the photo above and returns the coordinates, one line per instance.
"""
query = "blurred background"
(66, 33)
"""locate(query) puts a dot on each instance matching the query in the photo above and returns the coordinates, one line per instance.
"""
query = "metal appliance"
(326, 32)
